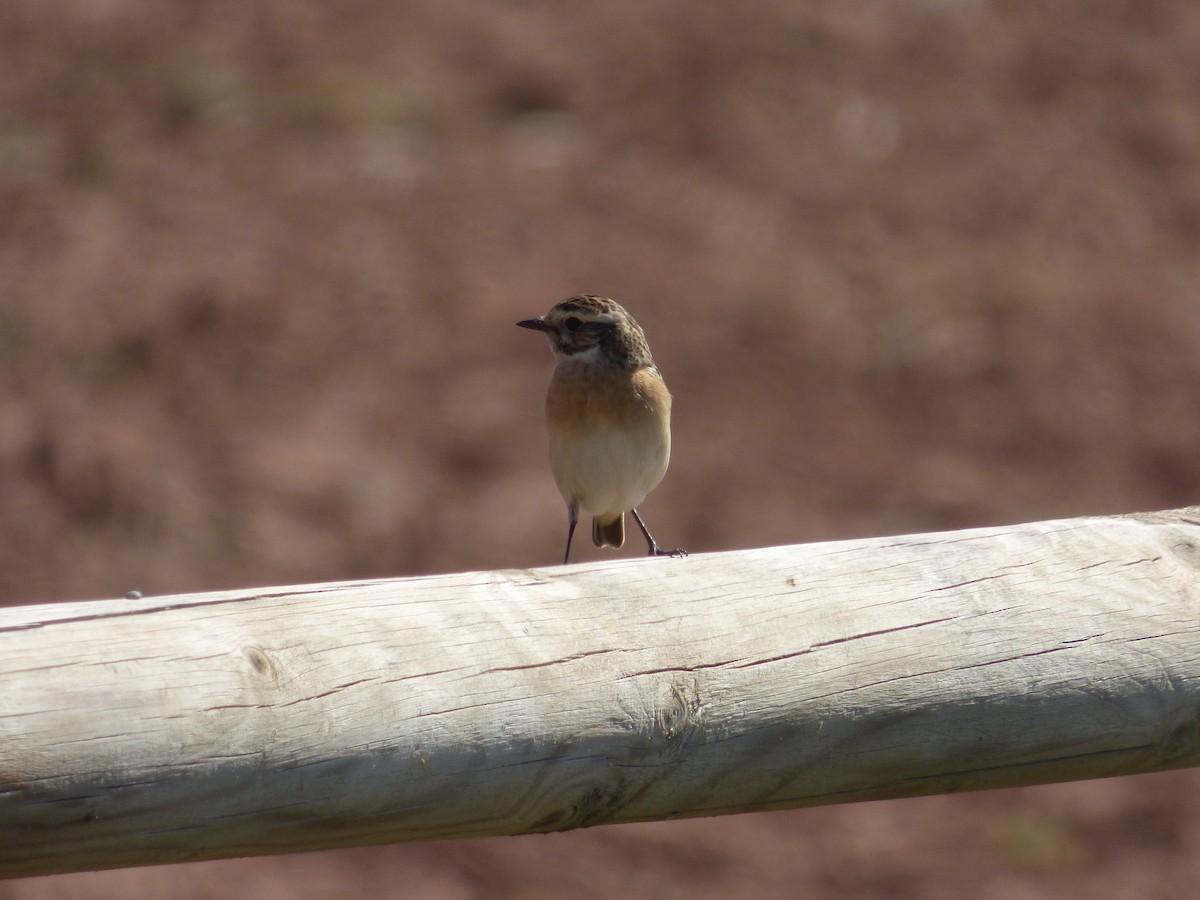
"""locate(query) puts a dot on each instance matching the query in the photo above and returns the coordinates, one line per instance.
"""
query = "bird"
(608, 412)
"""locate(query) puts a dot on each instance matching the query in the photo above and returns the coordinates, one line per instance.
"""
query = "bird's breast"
(589, 397)
(610, 435)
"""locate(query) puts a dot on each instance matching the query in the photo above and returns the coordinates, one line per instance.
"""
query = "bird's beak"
(538, 324)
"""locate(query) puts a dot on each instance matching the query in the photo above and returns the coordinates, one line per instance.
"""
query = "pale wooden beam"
(264, 721)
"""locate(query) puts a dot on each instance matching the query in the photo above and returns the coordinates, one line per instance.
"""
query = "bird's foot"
(677, 553)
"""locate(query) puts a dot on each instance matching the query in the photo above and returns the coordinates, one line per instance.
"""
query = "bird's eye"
(572, 323)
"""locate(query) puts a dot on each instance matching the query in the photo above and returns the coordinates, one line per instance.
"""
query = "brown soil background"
(906, 266)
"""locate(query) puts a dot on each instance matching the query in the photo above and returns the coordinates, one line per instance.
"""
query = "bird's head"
(591, 329)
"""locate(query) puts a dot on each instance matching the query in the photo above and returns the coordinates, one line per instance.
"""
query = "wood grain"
(263, 721)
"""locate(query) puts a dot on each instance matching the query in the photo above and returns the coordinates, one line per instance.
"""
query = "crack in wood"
(143, 611)
(321, 696)
(550, 662)
(834, 642)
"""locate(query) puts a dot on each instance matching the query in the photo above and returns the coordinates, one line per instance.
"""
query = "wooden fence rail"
(264, 721)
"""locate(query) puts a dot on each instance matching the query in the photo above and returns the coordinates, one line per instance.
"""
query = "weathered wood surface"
(229, 724)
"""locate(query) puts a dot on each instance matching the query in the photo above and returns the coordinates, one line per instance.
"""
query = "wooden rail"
(264, 721)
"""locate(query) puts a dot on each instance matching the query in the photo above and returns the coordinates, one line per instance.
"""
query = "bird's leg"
(655, 550)
(572, 521)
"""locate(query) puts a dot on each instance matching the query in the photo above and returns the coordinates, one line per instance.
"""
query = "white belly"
(608, 471)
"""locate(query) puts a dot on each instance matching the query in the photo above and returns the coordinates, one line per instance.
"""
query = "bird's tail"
(609, 534)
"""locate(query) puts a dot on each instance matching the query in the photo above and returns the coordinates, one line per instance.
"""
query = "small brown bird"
(609, 417)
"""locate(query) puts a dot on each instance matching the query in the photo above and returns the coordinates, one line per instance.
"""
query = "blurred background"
(907, 266)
